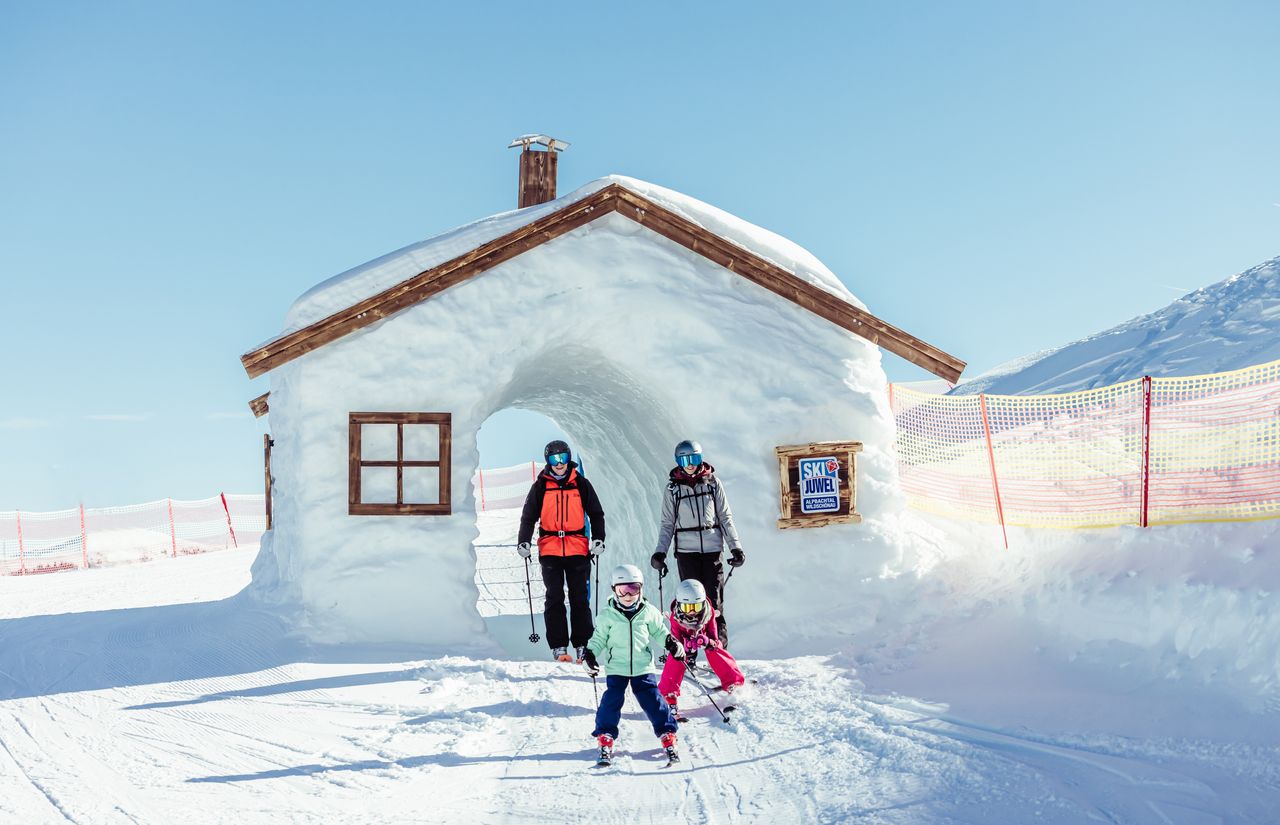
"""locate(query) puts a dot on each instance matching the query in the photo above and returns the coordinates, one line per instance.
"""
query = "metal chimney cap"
(524, 141)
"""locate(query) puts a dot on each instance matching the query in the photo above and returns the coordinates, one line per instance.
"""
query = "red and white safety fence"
(45, 542)
(1151, 451)
(503, 488)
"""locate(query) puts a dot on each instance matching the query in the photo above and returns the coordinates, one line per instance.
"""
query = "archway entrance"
(623, 435)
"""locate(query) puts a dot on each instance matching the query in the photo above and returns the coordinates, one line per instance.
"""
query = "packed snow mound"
(1225, 326)
(367, 280)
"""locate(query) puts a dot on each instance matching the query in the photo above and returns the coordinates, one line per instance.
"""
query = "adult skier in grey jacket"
(695, 512)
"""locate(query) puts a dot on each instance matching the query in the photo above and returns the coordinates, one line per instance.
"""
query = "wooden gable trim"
(781, 282)
(259, 405)
(612, 198)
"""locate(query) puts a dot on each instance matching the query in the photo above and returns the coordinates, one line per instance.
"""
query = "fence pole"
(84, 540)
(1146, 449)
(173, 533)
(991, 456)
(230, 529)
(482, 489)
(890, 396)
(22, 553)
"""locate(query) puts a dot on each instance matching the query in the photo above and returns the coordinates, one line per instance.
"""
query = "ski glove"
(523, 549)
(737, 558)
(658, 561)
(597, 547)
(589, 663)
(674, 648)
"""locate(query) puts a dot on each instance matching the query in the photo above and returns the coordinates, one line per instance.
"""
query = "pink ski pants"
(721, 662)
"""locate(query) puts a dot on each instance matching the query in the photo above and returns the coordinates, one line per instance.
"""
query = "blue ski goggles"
(690, 460)
(558, 458)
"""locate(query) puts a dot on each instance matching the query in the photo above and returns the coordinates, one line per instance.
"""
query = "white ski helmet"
(691, 603)
(626, 574)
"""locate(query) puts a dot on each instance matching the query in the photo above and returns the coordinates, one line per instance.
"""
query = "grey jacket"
(697, 515)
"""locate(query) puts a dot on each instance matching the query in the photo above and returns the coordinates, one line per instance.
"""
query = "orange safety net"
(1148, 451)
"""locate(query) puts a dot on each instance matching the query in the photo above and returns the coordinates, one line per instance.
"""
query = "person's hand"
(737, 558)
(597, 547)
(658, 561)
(674, 648)
(524, 549)
(589, 663)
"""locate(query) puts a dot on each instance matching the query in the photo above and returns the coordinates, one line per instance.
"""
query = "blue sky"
(994, 177)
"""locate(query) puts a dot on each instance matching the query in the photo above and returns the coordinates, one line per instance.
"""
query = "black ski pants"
(706, 568)
(575, 572)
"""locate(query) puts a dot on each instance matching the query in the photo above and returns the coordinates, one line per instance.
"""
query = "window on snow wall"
(399, 464)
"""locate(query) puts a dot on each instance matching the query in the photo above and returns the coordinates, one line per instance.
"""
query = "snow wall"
(629, 343)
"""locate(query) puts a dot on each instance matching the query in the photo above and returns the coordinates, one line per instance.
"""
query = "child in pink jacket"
(693, 625)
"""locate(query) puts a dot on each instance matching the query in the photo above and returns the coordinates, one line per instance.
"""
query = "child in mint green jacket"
(623, 632)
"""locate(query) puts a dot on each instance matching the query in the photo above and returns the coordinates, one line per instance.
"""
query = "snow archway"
(614, 421)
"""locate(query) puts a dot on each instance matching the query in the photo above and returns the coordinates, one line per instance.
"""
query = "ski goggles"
(558, 458)
(690, 608)
(627, 589)
(690, 460)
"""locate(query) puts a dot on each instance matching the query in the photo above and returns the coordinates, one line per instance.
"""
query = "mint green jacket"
(621, 644)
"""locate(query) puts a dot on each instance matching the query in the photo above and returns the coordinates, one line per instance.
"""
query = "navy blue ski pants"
(645, 689)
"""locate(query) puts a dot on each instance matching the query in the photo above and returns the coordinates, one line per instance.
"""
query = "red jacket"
(561, 508)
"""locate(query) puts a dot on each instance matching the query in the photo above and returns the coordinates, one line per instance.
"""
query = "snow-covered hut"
(632, 316)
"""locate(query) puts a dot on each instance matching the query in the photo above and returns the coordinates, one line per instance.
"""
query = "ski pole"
(724, 717)
(595, 560)
(662, 603)
(595, 689)
(528, 589)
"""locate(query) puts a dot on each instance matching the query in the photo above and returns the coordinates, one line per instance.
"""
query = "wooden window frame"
(355, 507)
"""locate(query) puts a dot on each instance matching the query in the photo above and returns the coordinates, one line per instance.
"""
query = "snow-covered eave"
(548, 221)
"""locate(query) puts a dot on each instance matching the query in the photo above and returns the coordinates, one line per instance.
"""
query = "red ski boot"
(606, 750)
(668, 741)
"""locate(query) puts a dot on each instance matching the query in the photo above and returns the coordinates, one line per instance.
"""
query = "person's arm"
(531, 512)
(599, 637)
(591, 506)
(727, 528)
(667, 527)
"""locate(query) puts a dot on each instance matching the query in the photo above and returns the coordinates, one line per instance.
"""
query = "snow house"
(633, 317)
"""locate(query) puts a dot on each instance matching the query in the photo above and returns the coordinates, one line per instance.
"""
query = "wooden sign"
(818, 483)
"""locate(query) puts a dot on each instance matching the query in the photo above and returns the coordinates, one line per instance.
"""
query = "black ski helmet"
(554, 447)
(688, 447)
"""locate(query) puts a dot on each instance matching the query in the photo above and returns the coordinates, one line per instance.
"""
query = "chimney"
(537, 168)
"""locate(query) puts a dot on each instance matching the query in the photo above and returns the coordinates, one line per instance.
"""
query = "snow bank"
(1195, 605)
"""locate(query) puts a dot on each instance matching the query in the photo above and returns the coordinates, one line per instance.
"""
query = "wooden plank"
(777, 280)
(353, 464)
(818, 521)
(259, 405)
(446, 465)
(267, 443)
(820, 446)
(399, 510)
(428, 283)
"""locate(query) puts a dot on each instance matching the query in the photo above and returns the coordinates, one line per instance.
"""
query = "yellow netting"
(1211, 451)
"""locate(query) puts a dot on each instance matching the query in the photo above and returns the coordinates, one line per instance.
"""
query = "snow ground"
(155, 694)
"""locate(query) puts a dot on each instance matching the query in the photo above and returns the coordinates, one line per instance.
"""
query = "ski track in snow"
(204, 713)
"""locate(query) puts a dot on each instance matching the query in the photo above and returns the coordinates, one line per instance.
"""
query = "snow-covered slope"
(1228, 325)
(1092, 676)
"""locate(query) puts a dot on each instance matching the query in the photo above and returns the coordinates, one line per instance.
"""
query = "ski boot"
(561, 654)
(580, 653)
(672, 701)
(668, 741)
(606, 750)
